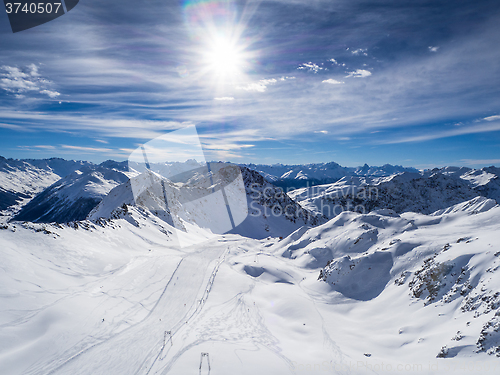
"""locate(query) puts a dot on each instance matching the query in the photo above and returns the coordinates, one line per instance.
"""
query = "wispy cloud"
(360, 73)
(433, 49)
(13, 127)
(259, 86)
(87, 149)
(481, 161)
(50, 94)
(470, 129)
(109, 126)
(332, 81)
(38, 147)
(225, 99)
(360, 51)
(72, 150)
(311, 67)
(335, 62)
(492, 118)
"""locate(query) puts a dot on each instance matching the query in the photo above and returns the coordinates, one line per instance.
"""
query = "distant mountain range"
(58, 190)
(424, 192)
(298, 176)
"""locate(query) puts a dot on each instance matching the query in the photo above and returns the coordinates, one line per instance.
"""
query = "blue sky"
(414, 82)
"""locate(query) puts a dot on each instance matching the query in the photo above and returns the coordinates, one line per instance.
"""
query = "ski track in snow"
(116, 354)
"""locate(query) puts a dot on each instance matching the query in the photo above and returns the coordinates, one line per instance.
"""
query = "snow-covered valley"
(374, 293)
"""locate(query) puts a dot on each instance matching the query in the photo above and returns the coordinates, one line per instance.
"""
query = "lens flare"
(216, 28)
(223, 58)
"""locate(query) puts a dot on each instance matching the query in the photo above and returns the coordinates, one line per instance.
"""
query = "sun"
(224, 58)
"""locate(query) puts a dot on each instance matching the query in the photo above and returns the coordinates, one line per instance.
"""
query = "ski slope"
(409, 292)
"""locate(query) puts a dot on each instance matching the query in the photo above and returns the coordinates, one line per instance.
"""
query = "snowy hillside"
(267, 210)
(431, 283)
(360, 294)
(271, 211)
(21, 180)
(416, 192)
(72, 197)
(149, 284)
(485, 181)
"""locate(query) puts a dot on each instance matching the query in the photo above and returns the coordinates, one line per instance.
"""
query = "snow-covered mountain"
(416, 192)
(359, 292)
(430, 282)
(270, 211)
(74, 196)
(21, 180)
(287, 291)
(485, 181)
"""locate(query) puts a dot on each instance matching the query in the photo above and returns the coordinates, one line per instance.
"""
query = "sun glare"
(224, 58)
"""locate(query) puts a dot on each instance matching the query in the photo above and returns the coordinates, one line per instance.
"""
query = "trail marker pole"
(208, 361)
(169, 334)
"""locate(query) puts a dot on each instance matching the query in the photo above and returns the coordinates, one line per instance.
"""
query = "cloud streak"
(473, 129)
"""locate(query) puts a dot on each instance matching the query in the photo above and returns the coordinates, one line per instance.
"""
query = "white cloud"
(260, 86)
(44, 147)
(33, 70)
(51, 94)
(332, 81)
(335, 62)
(492, 118)
(360, 73)
(360, 51)
(433, 49)
(310, 66)
(224, 146)
(21, 81)
(322, 131)
(225, 99)
(268, 81)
